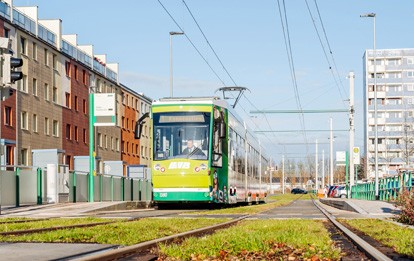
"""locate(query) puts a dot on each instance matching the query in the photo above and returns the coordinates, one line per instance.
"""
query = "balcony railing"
(46, 35)
(24, 21)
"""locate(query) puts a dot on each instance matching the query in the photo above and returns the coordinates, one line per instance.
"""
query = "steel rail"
(364, 246)
(141, 247)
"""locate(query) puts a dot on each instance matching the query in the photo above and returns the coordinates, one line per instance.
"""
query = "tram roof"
(191, 100)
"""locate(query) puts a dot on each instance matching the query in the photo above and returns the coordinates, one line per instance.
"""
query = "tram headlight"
(162, 169)
(196, 169)
(157, 167)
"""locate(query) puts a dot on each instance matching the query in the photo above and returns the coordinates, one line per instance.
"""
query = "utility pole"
(283, 174)
(316, 167)
(351, 129)
(270, 175)
(323, 168)
(331, 153)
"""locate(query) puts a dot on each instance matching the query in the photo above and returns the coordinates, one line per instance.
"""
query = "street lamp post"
(373, 15)
(171, 59)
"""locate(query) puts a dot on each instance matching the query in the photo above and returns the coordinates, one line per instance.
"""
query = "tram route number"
(163, 195)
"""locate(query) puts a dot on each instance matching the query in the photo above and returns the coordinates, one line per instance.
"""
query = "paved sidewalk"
(364, 207)
(64, 209)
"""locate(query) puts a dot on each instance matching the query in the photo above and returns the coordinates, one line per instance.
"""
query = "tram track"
(367, 249)
(54, 228)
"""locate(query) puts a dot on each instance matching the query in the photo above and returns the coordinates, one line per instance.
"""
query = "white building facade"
(394, 70)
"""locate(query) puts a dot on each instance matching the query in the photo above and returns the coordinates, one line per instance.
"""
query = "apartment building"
(49, 107)
(394, 71)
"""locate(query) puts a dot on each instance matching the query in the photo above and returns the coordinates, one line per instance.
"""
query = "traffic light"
(9, 65)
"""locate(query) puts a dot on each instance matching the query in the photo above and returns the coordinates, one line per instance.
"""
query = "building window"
(122, 146)
(76, 133)
(68, 132)
(67, 68)
(84, 77)
(67, 98)
(54, 95)
(34, 87)
(46, 57)
(100, 140)
(84, 135)
(117, 144)
(23, 120)
(8, 116)
(54, 62)
(23, 84)
(46, 91)
(84, 106)
(23, 45)
(76, 72)
(410, 74)
(34, 51)
(55, 128)
(6, 33)
(46, 129)
(410, 60)
(34, 123)
(112, 143)
(23, 156)
(76, 103)
(106, 142)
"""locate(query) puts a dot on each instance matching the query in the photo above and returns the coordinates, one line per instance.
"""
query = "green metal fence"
(27, 185)
(109, 188)
(388, 188)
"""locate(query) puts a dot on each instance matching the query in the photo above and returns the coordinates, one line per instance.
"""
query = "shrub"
(406, 202)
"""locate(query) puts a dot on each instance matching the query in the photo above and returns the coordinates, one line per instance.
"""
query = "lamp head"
(368, 15)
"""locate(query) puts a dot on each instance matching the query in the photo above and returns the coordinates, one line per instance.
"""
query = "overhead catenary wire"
(329, 46)
(324, 51)
(205, 60)
(191, 42)
(288, 47)
(208, 42)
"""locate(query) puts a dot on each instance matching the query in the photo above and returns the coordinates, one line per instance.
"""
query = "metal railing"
(389, 188)
(23, 185)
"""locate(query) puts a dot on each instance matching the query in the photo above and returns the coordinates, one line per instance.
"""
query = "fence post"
(17, 173)
(112, 188)
(100, 187)
(122, 188)
(139, 190)
(39, 186)
(132, 189)
(74, 187)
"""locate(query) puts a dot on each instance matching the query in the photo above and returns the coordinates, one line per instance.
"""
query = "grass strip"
(273, 201)
(258, 240)
(8, 227)
(401, 239)
(119, 233)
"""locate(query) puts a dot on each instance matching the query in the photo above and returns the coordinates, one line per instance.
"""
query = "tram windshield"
(181, 135)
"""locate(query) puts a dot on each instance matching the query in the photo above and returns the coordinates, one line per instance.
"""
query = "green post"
(123, 189)
(74, 187)
(17, 187)
(91, 148)
(39, 186)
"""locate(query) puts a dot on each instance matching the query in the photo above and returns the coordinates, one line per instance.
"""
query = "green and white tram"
(202, 152)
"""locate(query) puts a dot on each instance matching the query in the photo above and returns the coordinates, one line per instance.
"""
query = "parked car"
(298, 191)
(331, 192)
(340, 192)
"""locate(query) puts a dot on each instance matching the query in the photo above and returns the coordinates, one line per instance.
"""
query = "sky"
(248, 38)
